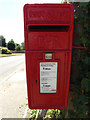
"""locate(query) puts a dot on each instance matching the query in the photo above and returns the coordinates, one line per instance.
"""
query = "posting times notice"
(48, 77)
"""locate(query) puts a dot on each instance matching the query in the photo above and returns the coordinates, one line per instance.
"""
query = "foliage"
(11, 45)
(22, 46)
(2, 41)
(81, 59)
(17, 47)
(84, 19)
(33, 114)
(5, 50)
(54, 113)
(81, 108)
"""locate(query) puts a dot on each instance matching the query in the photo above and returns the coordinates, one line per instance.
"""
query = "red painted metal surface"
(48, 28)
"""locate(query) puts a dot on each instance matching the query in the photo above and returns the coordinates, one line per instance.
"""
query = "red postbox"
(48, 32)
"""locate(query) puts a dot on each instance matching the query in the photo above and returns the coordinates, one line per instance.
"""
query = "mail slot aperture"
(48, 28)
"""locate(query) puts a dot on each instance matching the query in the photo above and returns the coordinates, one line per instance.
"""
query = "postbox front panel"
(48, 32)
(42, 93)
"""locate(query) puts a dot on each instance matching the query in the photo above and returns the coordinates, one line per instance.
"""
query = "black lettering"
(46, 68)
(47, 85)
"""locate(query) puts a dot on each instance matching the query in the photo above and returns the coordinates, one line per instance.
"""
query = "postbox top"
(48, 14)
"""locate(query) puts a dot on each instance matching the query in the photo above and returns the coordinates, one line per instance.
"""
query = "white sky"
(11, 18)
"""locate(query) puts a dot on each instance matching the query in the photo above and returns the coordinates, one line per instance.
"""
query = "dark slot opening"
(48, 28)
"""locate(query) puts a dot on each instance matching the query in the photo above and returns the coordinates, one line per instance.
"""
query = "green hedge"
(5, 50)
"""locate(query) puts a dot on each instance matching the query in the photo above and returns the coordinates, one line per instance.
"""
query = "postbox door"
(41, 99)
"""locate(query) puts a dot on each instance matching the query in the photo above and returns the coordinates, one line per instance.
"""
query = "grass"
(13, 54)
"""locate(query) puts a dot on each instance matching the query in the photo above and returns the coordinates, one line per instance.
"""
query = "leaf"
(88, 75)
(76, 103)
(83, 115)
(85, 83)
(83, 4)
(83, 98)
(86, 60)
(83, 108)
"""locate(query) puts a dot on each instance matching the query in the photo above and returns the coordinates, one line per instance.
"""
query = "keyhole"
(36, 81)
